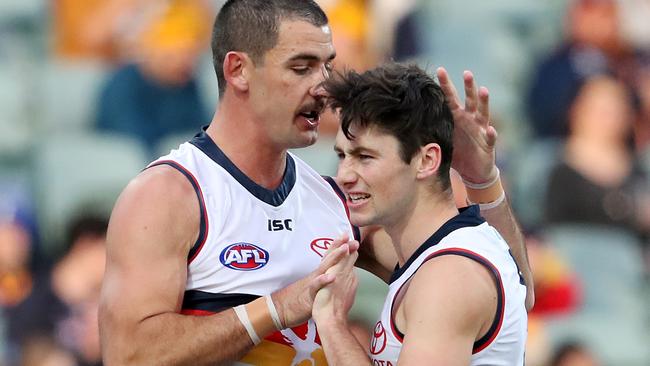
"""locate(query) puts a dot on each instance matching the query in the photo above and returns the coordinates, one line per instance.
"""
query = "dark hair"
(566, 349)
(402, 100)
(86, 224)
(253, 26)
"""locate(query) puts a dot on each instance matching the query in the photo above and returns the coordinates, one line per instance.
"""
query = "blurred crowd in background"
(92, 90)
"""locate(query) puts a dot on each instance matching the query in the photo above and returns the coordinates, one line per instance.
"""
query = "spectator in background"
(16, 276)
(593, 45)
(45, 351)
(557, 288)
(15, 252)
(100, 30)
(573, 354)
(350, 24)
(599, 180)
(74, 20)
(62, 307)
(394, 29)
(76, 280)
(158, 95)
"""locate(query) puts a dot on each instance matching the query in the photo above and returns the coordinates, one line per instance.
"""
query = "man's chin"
(359, 220)
(306, 139)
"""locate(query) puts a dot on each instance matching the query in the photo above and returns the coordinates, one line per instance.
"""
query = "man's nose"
(345, 174)
(318, 90)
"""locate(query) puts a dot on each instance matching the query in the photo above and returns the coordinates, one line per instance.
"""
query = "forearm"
(340, 346)
(502, 218)
(175, 339)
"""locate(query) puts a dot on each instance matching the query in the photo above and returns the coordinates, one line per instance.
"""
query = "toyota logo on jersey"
(321, 245)
(244, 257)
(378, 343)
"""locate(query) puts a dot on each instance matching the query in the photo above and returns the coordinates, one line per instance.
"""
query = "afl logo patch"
(378, 343)
(244, 257)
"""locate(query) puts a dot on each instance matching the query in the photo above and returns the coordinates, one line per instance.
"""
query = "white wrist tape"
(490, 205)
(242, 314)
(274, 312)
(482, 185)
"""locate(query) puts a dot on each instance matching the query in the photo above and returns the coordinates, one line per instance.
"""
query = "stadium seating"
(82, 171)
(609, 264)
(15, 137)
(70, 93)
(529, 177)
(320, 156)
(11, 10)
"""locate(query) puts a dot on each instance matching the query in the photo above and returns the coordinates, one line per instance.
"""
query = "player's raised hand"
(474, 137)
(294, 302)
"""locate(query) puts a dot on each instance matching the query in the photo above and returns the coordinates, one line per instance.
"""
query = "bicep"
(149, 236)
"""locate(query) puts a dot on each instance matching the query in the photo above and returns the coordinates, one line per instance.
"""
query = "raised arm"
(153, 225)
(475, 160)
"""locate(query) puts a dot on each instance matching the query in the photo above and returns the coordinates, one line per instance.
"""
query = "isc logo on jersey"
(244, 257)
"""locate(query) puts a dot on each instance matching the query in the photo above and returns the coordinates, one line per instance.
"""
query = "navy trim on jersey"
(491, 334)
(203, 226)
(355, 229)
(206, 301)
(272, 197)
(467, 217)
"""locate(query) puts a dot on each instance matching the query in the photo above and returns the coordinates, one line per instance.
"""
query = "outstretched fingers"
(471, 95)
(448, 88)
(484, 106)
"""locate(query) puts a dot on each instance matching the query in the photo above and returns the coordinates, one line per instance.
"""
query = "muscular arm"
(152, 228)
(448, 305)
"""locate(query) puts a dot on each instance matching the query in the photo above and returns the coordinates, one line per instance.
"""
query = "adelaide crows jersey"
(467, 235)
(254, 241)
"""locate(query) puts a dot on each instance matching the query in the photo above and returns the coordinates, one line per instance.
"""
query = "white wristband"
(482, 185)
(242, 314)
(274, 312)
(490, 205)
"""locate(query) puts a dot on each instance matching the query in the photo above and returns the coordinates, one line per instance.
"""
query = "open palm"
(474, 137)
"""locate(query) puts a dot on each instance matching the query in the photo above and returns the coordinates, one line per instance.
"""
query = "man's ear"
(235, 70)
(429, 160)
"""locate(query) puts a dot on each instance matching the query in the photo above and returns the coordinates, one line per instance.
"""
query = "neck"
(428, 216)
(242, 138)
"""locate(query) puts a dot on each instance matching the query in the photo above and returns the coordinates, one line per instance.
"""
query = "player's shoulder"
(158, 189)
(162, 180)
(453, 277)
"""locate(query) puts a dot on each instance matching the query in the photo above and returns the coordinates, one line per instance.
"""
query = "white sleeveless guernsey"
(470, 236)
(254, 241)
